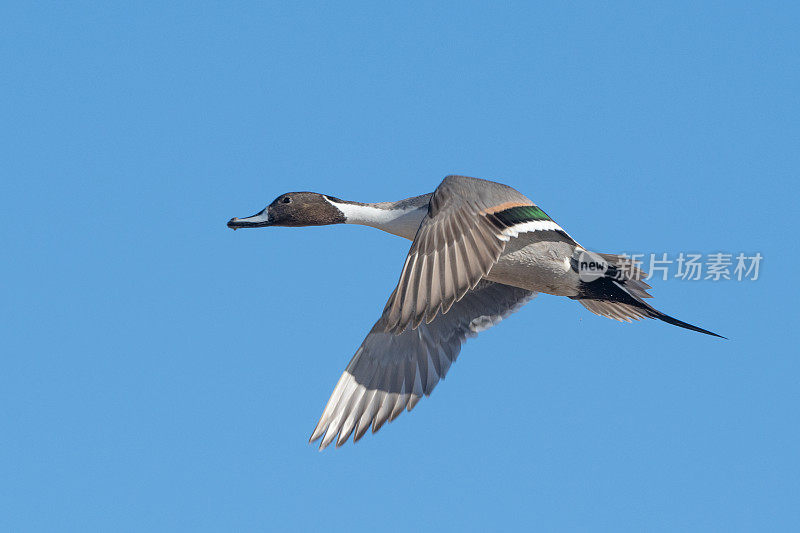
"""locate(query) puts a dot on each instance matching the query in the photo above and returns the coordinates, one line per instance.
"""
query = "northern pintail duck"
(480, 250)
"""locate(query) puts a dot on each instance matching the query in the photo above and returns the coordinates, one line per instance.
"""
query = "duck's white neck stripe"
(401, 222)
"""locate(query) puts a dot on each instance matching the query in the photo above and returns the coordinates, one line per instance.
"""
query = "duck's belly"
(542, 266)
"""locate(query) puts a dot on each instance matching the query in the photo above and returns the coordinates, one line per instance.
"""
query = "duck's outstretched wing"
(457, 244)
(390, 373)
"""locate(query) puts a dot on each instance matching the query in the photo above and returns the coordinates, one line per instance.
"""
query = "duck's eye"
(286, 200)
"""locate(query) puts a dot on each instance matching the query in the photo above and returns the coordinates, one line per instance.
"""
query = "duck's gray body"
(539, 266)
(480, 250)
(526, 262)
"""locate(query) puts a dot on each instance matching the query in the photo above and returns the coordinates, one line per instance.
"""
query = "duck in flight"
(480, 250)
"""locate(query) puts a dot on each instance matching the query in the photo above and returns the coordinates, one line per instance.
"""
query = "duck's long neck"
(398, 218)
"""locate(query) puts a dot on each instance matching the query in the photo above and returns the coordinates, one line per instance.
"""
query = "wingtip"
(317, 433)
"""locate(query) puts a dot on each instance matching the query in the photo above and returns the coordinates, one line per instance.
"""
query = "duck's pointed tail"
(619, 292)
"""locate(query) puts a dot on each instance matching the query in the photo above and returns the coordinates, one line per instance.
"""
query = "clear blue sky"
(161, 372)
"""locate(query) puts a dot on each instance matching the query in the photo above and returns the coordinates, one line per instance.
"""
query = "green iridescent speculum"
(523, 213)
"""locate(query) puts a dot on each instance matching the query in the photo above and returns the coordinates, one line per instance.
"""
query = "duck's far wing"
(456, 244)
(390, 373)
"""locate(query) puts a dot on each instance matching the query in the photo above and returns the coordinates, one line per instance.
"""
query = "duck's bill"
(256, 221)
